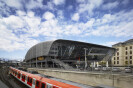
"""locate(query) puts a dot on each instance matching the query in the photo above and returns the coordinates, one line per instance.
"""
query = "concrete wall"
(93, 79)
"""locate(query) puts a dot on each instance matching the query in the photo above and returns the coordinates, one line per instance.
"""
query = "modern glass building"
(66, 54)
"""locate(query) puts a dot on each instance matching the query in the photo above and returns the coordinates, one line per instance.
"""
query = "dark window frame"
(130, 57)
(30, 80)
(126, 48)
(130, 47)
(37, 83)
(130, 52)
(43, 85)
(117, 62)
(18, 74)
(126, 57)
(117, 53)
(126, 52)
(117, 58)
(23, 77)
(130, 62)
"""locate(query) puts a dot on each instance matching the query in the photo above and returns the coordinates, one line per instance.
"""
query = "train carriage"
(35, 81)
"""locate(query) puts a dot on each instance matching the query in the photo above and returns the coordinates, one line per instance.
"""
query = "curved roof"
(42, 49)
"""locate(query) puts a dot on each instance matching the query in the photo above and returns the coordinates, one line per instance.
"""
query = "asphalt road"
(9, 80)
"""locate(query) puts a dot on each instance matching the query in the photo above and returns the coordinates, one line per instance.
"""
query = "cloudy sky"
(24, 23)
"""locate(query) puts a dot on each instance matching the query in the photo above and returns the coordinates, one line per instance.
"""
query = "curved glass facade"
(60, 52)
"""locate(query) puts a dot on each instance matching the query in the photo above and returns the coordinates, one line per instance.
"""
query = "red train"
(35, 81)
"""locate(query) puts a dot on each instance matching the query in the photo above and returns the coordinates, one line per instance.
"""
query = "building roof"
(43, 48)
(39, 50)
(130, 41)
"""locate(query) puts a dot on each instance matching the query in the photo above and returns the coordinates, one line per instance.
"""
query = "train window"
(43, 85)
(33, 81)
(30, 80)
(23, 77)
(18, 75)
(37, 83)
(49, 85)
(26, 78)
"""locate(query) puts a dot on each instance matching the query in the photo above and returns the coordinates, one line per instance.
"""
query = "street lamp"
(85, 58)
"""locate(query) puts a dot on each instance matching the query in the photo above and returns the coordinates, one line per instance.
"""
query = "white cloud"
(110, 5)
(89, 23)
(124, 29)
(12, 22)
(60, 14)
(30, 27)
(4, 9)
(11, 33)
(119, 24)
(109, 43)
(72, 30)
(30, 14)
(13, 3)
(50, 6)
(70, 7)
(34, 4)
(75, 17)
(58, 2)
(89, 6)
(20, 13)
(80, 1)
(32, 24)
(48, 15)
(125, 2)
(50, 28)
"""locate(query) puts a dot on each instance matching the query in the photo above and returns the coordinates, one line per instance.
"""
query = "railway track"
(9, 80)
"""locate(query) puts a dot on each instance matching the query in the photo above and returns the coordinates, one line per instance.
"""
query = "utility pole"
(85, 58)
(36, 57)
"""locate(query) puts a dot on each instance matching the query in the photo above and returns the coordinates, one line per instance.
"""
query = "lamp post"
(85, 58)
(36, 57)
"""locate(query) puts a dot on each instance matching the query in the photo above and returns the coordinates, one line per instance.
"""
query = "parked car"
(116, 69)
(128, 70)
(106, 69)
(33, 72)
(97, 69)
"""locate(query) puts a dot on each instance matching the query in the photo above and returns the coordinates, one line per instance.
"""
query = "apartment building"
(124, 54)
